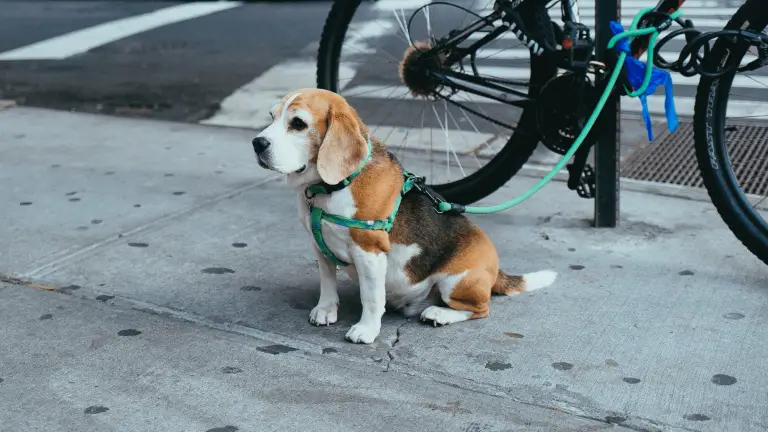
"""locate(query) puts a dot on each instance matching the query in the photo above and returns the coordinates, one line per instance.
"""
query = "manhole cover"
(671, 159)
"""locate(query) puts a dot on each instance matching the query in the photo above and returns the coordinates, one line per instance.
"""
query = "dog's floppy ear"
(344, 148)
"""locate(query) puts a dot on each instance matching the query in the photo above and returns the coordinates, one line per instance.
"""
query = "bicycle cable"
(690, 58)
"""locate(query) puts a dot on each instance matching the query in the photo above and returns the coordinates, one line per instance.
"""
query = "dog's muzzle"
(260, 145)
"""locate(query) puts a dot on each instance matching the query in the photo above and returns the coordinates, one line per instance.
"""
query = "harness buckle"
(308, 195)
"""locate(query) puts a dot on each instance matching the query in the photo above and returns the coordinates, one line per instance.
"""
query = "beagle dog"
(354, 200)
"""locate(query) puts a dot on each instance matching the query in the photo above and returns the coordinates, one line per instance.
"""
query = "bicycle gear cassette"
(415, 70)
(562, 111)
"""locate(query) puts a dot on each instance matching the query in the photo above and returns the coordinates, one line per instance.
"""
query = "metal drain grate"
(671, 158)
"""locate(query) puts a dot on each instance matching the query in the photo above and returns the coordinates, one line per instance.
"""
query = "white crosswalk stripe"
(80, 41)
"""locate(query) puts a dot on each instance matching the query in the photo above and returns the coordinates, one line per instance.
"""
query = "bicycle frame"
(501, 90)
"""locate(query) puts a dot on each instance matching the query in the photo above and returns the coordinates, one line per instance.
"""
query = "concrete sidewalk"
(172, 230)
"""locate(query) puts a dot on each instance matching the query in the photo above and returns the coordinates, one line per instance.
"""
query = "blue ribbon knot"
(635, 71)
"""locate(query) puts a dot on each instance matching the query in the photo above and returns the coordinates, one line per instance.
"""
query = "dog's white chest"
(336, 237)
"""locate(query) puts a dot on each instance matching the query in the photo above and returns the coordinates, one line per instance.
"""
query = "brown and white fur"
(443, 266)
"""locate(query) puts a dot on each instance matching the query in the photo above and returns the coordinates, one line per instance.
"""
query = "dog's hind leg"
(465, 281)
(466, 294)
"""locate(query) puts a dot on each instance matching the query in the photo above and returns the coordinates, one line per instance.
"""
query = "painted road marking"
(80, 41)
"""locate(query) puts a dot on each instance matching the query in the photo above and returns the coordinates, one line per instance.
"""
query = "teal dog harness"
(317, 215)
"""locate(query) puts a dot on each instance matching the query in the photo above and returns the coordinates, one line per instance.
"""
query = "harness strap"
(317, 215)
(327, 189)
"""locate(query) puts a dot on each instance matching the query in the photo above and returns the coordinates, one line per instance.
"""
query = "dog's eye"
(298, 124)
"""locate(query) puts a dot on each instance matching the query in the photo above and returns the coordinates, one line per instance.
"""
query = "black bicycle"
(459, 76)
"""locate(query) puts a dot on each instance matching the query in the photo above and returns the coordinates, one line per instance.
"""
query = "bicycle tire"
(709, 136)
(502, 167)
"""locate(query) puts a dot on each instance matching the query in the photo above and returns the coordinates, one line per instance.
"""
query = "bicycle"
(556, 107)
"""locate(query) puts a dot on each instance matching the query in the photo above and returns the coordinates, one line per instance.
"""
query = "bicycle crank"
(563, 106)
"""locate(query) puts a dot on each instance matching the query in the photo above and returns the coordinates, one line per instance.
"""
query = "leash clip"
(419, 184)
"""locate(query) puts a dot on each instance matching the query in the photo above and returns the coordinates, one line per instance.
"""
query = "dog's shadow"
(350, 305)
(305, 298)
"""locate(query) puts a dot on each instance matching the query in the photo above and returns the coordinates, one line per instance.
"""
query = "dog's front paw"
(323, 315)
(363, 333)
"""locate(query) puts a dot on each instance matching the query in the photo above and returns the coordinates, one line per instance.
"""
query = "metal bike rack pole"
(608, 146)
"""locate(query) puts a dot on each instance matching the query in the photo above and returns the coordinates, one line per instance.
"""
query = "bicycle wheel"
(495, 166)
(724, 151)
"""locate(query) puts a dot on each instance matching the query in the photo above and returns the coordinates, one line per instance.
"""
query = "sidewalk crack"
(390, 351)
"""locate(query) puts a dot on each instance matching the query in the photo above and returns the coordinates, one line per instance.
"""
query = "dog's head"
(315, 134)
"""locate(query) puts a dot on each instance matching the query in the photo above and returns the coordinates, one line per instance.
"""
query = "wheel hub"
(415, 67)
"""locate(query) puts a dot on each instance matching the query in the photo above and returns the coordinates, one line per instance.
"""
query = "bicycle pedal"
(585, 188)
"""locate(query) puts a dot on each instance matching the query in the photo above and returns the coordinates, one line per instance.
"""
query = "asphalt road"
(224, 62)
(179, 71)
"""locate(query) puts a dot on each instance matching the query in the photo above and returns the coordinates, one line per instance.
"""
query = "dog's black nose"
(260, 144)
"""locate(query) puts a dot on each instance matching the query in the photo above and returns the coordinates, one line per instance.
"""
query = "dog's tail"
(509, 285)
